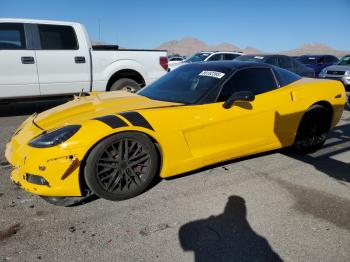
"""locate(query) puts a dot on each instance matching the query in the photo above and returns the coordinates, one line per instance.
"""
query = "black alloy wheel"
(121, 166)
(313, 129)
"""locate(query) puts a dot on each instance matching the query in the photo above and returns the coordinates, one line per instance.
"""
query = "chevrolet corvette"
(115, 144)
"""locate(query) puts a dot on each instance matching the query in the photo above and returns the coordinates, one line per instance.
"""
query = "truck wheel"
(125, 84)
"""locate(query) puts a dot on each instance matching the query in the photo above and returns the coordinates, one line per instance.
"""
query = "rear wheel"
(125, 84)
(121, 166)
(313, 129)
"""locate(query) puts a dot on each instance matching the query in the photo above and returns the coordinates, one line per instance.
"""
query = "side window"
(285, 62)
(215, 57)
(230, 56)
(321, 60)
(285, 77)
(272, 60)
(256, 80)
(12, 36)
(57, 37)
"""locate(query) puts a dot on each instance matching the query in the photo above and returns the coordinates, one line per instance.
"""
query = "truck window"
(12, 36)
(57, 37)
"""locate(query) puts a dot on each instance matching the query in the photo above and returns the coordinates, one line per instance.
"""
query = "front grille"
(337, 73)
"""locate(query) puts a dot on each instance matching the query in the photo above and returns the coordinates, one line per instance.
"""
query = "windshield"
(197, 57)
(344, 61)
(308, 60)
(250, 58)
(187, 84)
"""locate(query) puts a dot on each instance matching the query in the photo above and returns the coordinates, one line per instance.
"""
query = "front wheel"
(121, 166)
(313, 129)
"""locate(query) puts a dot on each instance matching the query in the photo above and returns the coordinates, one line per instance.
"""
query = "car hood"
(95, 105)
(339, 67)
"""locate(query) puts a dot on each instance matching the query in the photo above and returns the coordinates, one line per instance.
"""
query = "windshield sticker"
(212, 74)
(259, 57)
(312, 58)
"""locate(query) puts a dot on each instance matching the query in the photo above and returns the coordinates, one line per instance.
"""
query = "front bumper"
(57, 166)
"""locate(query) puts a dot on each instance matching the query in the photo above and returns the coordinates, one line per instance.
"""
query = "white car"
(208, 56)
(52, 58)
(175, 59)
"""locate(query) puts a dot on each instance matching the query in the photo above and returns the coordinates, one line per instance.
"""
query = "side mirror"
(239, 96)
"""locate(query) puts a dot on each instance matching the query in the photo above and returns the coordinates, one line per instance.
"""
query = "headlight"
(54, 137)
(347, 73)
(323, 71)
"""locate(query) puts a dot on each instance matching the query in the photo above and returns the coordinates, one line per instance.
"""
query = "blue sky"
(269, 25)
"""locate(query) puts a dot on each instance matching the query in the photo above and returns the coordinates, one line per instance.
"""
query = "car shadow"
(30, 107)
(226, 237)
(324, 161)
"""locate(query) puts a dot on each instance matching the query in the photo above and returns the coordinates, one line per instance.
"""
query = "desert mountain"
(189, 45)
(315, 49)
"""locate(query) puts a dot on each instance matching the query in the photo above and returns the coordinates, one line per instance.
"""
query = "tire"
(117, 176)
(125, 84)
(313, 129)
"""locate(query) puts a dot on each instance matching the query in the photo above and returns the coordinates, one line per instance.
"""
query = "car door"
(246, 127)
(18, 70)
(63, 65)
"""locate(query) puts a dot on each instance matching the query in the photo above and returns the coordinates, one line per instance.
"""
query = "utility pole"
(99, 29)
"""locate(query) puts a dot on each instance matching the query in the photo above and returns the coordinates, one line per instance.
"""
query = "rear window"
(12, 36)
(285, 77)
(57, 37)
(251, 58)
(308, 60)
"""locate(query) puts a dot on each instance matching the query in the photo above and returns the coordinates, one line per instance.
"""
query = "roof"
(231, 64)
(35, 21)
(315, 55)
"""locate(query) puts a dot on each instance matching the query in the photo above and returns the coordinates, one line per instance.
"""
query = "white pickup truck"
(52, 58)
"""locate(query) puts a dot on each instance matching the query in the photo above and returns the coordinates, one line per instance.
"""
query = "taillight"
(163, 61)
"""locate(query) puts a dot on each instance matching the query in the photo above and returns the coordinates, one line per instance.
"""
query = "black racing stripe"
(136, 119)
(112, 121)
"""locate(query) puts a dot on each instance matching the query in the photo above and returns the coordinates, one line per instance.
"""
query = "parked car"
(208, 56)
(317, 62)
(174, 60)
(45, 58)
(282, 61)
(339, 71)
(115, 145)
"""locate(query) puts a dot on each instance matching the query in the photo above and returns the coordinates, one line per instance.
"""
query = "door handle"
(27, 60)
(79, 59)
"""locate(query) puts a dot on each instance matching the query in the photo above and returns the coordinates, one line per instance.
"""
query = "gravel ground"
(270, 207)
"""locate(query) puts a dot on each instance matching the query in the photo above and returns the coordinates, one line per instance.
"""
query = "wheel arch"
(327, 105)
(329, 109)
(126, 73)
(82, 182)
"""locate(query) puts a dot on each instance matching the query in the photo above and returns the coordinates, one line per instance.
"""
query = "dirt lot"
(275, 206)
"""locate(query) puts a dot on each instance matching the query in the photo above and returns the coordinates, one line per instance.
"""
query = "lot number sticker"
(212, 74)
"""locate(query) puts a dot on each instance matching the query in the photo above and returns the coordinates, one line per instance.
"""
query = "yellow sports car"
(114, 144)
